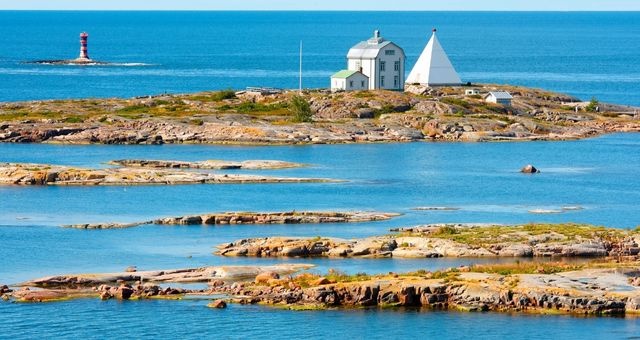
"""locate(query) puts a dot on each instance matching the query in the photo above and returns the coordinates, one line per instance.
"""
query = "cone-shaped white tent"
(433, 67)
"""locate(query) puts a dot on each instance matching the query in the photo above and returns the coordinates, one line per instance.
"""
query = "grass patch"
(214, 96)
(526, 268)
(484, 236)
(335, 275)
(74, 119)
(456, 101)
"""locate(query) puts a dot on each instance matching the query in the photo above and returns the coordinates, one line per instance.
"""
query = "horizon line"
(314, 10)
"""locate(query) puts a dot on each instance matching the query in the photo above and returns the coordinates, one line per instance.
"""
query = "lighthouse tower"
(84, 54)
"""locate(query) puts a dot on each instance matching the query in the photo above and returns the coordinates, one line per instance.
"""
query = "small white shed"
(471, 92)
(499, 97)
(347, 80)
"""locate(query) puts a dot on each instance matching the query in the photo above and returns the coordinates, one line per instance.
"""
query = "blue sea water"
(584, 54)
(482, 180)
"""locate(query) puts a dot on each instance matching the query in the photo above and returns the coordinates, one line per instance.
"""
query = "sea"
(587, 181)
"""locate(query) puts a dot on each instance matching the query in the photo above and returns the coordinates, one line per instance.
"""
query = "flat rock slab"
(42, 174)
(188, 275)
(291, 217)
(208, 164)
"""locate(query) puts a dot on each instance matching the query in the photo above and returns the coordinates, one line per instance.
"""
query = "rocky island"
(315, 117)
(208, 164)
(453, 240)
(45, 174)
(596, 288)
(290, 217)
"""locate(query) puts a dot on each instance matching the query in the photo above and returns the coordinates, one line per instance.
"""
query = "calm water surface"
(583, 54)
(482, 180)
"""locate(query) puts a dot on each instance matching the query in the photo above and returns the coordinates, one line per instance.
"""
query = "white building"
(433, 67)
(380, 60)
(499, 97)
(348, 80)
(471, 92)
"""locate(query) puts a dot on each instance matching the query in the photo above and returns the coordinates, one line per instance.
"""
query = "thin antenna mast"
(300, 74)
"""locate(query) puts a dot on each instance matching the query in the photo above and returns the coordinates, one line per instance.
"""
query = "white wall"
(371, 68)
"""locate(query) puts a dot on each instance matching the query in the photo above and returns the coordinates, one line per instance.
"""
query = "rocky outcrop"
(42, 174)
(452, 241)
(529, 169)
(442, 114)
(602, 289)
(590, 292)
(218, 304)
(189, 275)
(290, 217)
(208, 164)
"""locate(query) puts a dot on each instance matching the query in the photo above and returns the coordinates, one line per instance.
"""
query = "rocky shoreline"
(599, 289)
(45, 174)
(452, 240)
(438, 114)
(234, 218)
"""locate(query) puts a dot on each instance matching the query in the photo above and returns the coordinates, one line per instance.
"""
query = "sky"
(404, 5)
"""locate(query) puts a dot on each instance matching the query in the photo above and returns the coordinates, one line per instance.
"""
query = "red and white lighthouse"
(84, 54)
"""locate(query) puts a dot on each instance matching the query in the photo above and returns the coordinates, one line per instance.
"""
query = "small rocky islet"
(245, 117)
(47, 174)
(235, 218)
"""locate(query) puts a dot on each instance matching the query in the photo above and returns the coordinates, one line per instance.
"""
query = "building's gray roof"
(367, 50)
(500, 94)
(370, 49)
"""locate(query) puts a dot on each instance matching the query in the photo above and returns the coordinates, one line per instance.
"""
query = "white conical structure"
(433, 67)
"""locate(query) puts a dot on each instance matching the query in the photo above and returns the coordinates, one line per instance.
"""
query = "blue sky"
(518, 5)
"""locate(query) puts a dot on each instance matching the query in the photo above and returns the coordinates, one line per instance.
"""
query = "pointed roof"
(433, 67)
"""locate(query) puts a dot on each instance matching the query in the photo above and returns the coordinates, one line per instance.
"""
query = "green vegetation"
(483, 236)
(300, 110)
(214, 96)
(339, 276)
(456, 101)
(526, 268)
(364, 94)
(593, 105)
(74, 119)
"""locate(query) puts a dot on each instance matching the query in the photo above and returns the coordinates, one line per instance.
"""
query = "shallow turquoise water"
(92, 319)
(599, 175)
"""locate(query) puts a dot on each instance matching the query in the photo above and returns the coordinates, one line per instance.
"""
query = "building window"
(383, 65)
(396, 80)
(381, 81)
(396, 66)
(350, 83)
(390, 52)
(362, 84)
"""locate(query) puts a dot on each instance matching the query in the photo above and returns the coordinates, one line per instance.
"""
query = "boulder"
(266, 276)
(529, 169)
(123, 292)
(219, 304)
(516, 250)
